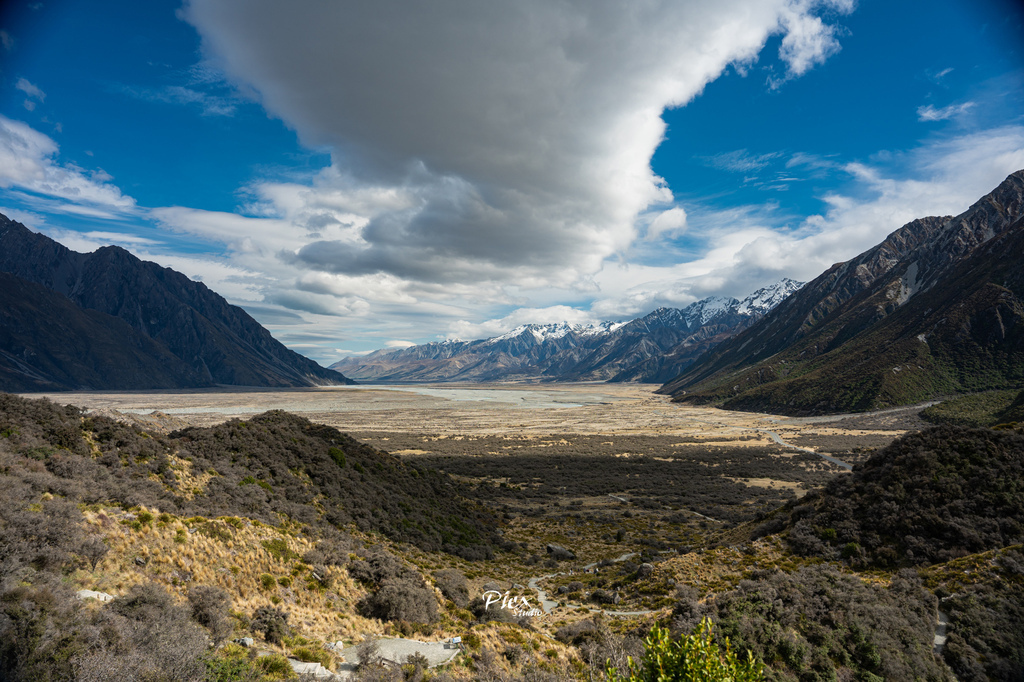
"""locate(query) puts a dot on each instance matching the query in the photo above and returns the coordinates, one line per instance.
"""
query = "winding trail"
(940, 633)
(778, 439)
(547, 605)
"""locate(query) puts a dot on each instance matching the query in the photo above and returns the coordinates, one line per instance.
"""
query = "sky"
(381, 174)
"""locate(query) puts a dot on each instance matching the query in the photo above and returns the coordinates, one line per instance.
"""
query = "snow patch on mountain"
(557, 330)
(766, 298)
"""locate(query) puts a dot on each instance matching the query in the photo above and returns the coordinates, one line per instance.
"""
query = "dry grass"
(234, 564)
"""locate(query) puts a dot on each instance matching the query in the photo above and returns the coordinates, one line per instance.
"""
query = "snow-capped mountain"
(652, 348)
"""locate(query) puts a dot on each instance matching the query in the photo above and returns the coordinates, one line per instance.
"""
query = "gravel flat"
(398, 650)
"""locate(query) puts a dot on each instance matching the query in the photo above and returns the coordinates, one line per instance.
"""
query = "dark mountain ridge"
(214, 341)
(107, 352)
(934, 309)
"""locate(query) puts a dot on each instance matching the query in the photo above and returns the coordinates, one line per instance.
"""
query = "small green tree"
(691, 658)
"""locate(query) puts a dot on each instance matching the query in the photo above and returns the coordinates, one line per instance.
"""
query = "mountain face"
(936, 308)
(185, 334)
(106, 353)
(652, 348)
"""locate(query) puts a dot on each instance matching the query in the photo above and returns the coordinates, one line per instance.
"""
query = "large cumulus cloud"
(509, 143)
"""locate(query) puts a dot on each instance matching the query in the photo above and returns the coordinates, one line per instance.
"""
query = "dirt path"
(778, 439)
(397, 651)
(940, 632)
(547, 605)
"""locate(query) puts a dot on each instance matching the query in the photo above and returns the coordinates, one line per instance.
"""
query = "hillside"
(48, 343)
(649, 349)
(218, 342)
(937, 308)
(305, 541)
(928, 497)
(275, 466)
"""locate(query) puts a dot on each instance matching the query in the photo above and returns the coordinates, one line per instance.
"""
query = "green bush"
(278, 549)
(276, 667)
(312, 655)
(268, 581)
(338, 456)
(696, 658)
(471, 640)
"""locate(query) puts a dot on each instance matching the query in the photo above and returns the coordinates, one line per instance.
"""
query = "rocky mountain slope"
(936, 308)
(172, 331)
(652, 348)
(107, 353)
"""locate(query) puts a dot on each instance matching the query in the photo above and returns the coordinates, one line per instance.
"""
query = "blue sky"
(368, 176)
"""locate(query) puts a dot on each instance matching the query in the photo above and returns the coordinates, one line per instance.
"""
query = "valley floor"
(502, 409)
(645, 494)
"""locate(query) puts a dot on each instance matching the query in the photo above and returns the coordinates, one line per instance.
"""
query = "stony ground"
(526, 409)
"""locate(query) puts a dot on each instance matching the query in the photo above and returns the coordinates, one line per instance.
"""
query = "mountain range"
(937, 308)
(650, 349)
(108, 320)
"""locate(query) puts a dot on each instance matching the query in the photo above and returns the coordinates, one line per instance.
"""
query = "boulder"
(605, 597)
(559, 553)
(90, 594)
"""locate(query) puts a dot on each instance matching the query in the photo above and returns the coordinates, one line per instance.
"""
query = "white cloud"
(28, 162)
(31, 90)
(35, 95)
(211, 105)
(808, 41)
(464, 329)
(503, 144)
(748, 247)
(930, 113)
(670, 223)
(740, 161)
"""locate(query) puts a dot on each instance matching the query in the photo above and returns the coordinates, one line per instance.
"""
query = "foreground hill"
(172, 332)
(936, 308)
(928, 497)
(275, 466)
(210, 535)
(650, 349)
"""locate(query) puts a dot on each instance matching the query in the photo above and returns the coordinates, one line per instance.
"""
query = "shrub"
(453, 585)
(404, 598)
(273, 623)
(377, 568)
(210, 606)
(278, 548)
(267, 581)
(471, 640)
(311, 655)
(216, 531)
(276, 667)
(691, 657)
(368, 651)
(93, 550)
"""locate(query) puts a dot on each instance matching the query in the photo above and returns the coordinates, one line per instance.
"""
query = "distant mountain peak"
(623, 351)
(766, 298)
